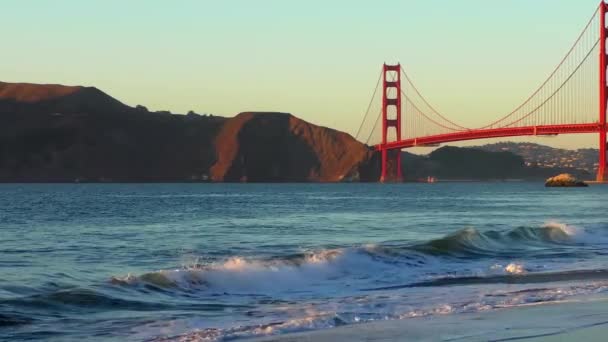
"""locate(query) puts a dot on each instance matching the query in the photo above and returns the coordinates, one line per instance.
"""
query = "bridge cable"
(369, 105)
(374, 128)
(425, 115)
(558, 89)
(393, 78)
(550, 76)
(409, 80)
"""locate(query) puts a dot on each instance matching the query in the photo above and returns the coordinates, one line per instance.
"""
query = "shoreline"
(585, 319)
(190, 181)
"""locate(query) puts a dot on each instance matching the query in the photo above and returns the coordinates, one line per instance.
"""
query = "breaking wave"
(242, 275)
(273, 294)
(410, 261)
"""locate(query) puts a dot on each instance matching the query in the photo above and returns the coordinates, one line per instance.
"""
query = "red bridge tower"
(602, 162)
(391, 118)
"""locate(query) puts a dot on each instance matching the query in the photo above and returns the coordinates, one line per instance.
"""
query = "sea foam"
(357, 266)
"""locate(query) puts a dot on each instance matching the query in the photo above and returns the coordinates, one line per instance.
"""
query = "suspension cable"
(550, 76)
(409, 80)
(558, 89)
(369, 106)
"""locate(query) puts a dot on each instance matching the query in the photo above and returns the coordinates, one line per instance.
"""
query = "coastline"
(583, 319)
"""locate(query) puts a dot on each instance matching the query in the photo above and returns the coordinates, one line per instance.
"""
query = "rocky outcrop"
(564, 180)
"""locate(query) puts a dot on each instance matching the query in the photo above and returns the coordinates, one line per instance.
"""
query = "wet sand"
(578, 320)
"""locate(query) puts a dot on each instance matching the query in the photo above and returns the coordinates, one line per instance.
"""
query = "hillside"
(505, 160)
(39, 98)
(278, 147)
(54, 133)
(467, 163)
(582, 162)
(32, 93)
(456, 163)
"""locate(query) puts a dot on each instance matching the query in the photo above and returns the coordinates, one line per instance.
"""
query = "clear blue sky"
(317, 59)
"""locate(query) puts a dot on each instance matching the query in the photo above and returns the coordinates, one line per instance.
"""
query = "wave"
(82, 298)
(530, 278)
(401, 261)
(470, 241)
(315, 318)
(242, 275)
(79, 297)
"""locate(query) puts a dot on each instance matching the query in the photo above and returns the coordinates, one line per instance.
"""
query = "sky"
(317, 59)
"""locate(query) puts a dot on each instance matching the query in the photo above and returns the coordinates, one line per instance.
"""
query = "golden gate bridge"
(572, 100)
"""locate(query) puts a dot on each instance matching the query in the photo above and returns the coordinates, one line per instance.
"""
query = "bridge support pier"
(601, 171)
(601, 176)
(391, 118)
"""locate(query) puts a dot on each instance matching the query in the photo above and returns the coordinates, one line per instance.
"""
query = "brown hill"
(53, 133)
(28, 97)
(278, 147)
(28, 92)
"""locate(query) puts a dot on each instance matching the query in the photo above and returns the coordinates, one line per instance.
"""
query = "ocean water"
(210, 262)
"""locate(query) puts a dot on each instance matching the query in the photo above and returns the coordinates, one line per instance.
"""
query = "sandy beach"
(582, 320)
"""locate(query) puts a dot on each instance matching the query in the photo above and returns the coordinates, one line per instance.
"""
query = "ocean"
(213, 262)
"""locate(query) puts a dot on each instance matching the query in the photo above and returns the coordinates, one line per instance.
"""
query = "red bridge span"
(572, 100)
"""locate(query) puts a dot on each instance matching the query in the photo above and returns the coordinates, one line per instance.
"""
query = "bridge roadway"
(474, 134)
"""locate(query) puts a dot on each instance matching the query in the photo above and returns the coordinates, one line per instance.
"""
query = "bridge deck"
(492, 133)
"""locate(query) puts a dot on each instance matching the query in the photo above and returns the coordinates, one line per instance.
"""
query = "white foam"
(336, 276)
(563, 228)
(511, 268)
(514, 268)
(580, 235)
(243, 275)
(318, 318)
(342, 269)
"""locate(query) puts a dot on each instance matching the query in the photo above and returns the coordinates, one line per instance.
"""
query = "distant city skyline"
(314, 59)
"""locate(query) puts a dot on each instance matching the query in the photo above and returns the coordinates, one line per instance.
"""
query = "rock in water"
(564, 180)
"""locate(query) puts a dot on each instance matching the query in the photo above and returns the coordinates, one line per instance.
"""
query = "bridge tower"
(391, 118)
(603, 85)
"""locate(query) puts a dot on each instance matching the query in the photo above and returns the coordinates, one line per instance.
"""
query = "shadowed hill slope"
(278, 147)
(54, 133)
